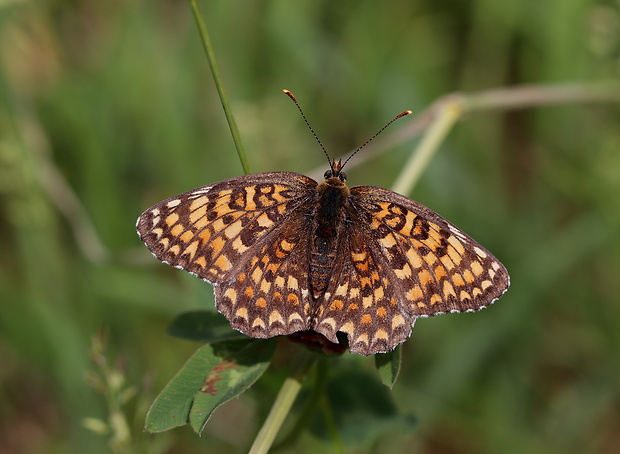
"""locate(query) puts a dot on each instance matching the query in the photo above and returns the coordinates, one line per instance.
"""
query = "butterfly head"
(335, 171)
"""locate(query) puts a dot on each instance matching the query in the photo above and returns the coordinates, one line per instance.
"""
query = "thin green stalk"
(283, 403)
(447, 116)
(206, 41)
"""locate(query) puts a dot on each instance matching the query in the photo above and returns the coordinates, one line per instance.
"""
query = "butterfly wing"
(400, 261)
(244, 236)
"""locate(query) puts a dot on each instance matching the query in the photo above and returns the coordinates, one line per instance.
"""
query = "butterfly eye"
(328, 174)
(342, 176)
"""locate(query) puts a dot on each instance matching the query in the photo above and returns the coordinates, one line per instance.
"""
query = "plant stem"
(206, 41)
(283, 403)
(447, 116)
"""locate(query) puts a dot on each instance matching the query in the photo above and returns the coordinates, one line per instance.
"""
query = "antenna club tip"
(406, 112)
(289, 94)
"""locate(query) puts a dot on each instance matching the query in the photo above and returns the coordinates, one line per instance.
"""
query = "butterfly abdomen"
(332, 196)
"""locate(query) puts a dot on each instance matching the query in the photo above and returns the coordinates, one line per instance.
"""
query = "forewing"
(210, 230)
(435, 267)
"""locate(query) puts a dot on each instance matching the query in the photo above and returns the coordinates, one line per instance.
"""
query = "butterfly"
(286, 253)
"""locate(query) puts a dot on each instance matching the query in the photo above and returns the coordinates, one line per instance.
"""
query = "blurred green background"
(109, 107)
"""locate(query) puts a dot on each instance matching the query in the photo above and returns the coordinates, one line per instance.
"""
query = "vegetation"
(109, 107)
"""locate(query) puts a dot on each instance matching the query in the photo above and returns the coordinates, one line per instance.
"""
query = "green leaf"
(388, 365)
(363, 410)
(213, 375)
(203, 326)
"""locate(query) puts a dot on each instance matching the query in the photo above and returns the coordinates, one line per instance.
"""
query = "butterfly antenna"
(292, 96)
(402, 114)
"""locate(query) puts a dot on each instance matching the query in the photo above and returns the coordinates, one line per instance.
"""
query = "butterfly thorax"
(332, 196)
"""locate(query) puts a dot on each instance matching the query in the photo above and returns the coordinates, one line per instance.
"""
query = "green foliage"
(213, 375)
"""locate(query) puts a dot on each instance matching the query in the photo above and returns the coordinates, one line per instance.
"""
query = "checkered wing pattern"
(245, 236)
(400, 261)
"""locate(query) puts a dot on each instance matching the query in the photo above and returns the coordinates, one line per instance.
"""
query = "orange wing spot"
(448, 289)
(273, 267)
(172, 219)
(231, 294)
(242, 312)
(464, 295)
(353, 307)
(238, 246)
(458, 280)
(361, 266)
(205, 235)
(404, 273)
(348, 328)
(477, 268)
(379, 293)
(165, 242)
(354, 293)
(293, 299)
(277, 297)
(242, 277)
(287, 246)
(248, 292)
(359, 257)
(365, 281)
(440, 272)
(414, 257)
(415, 293)
(337, 305)
(191, 250)
(381, 334)
(454, 255)
(392, 301)
(257, 275)
(223, 263)
(197, 214)
(177, 230)
(157, 232)
(425, 277)
(218, 244)
(279, 281)
(367, 301)
(435, 299)
(341, 290)
(294, 317)
(486, 284)
(275, 317)
(476, 292)
(447, 262)
(421, 305)
(176, 249)
(265, 286)
(187, 236)
(264, 221)
(469, 278)
(261, 302)
(233, 229)
(292, 283)
(363, 338)
(397, 321)
(491, 273)
(258, 323)
(200, 261)
(381, 312)
(388, 241)
(250, 191)
(329, 322)
(456, 244)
